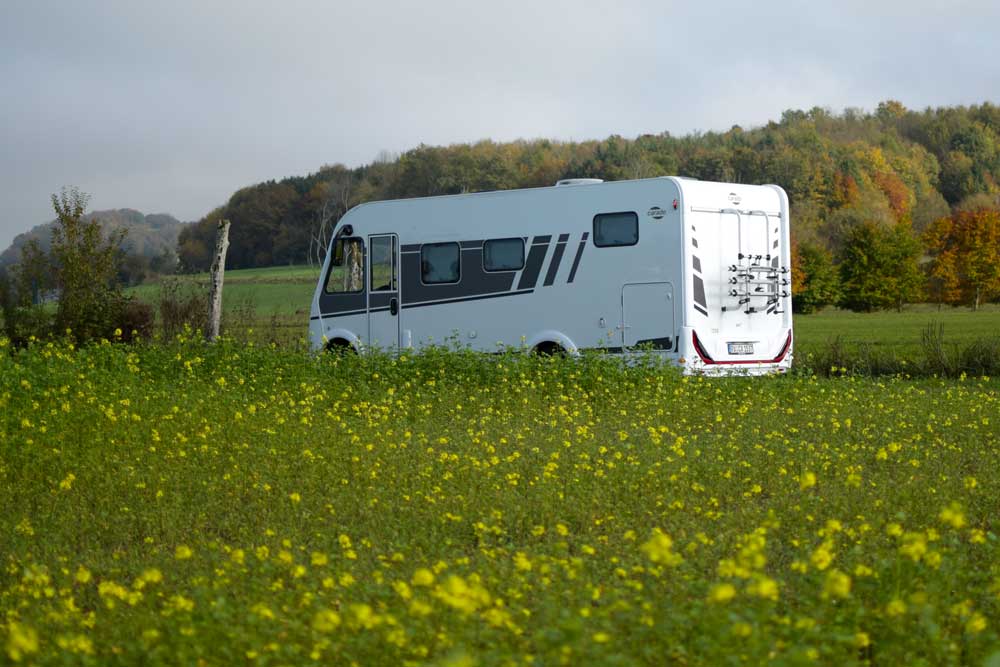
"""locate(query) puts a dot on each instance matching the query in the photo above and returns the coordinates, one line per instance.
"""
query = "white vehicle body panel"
(665, 292)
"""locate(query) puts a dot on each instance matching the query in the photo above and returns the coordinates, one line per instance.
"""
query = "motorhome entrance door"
(648, 315)
(383, 291)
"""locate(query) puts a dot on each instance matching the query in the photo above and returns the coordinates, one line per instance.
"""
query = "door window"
(383, 268)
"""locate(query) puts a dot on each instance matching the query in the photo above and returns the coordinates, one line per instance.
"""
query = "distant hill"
(149, 236)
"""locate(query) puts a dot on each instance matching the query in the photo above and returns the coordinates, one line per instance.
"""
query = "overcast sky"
(171, 106)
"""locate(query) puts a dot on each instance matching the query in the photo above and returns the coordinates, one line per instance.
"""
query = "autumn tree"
(879, 267)
(815, 282)
(965, 248)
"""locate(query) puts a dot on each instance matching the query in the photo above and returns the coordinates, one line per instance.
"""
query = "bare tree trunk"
(976, 306)
(218, 273)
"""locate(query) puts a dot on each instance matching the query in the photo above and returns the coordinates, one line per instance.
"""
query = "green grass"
(283, 290)
(895, 329)
(219, 505)
(287, 293)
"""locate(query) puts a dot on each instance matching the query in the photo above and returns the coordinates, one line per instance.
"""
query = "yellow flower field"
(187, 504)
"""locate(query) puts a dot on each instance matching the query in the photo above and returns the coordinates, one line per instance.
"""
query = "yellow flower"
(763, 587)
(76, 644)
(975, 624)
(402, 589)
(262, 611)
(21, 641)
(181, 603)
(364, 616)
(837, 584)
(602, 637)
(326, 620)
(522, 562)
(422, 577)
(807, 480)
(295, 497)
(464, 595)
(722, 593)
(659, 549)
(914, 545)
(150, 576)
(742, 629)
(82, 575)
(861, 639)
(183, 552)
(953, 516)
(822, 556)
(895, 608)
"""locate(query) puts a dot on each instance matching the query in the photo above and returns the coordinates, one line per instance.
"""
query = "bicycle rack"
(754, 279)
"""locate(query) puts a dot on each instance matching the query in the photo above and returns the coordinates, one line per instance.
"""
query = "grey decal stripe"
(576, 260)
(701, 310)
(696, 263)
(533, 265)
(542, 239)
(699, 292)
(557, 256)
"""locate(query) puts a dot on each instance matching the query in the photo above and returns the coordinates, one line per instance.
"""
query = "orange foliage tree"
(965, 251)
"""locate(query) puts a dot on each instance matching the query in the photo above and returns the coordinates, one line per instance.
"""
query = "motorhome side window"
(616, 229)
(347, 267)
(503, 255)
(439, 263)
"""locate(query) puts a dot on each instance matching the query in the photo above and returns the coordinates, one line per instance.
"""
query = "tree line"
(885, 204)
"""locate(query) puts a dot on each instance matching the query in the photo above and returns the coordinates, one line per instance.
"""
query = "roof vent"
(578, 181)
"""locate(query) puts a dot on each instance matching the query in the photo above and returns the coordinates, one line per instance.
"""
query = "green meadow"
(284, 294)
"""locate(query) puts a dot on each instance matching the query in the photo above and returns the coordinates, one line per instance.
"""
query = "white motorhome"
(693, 270)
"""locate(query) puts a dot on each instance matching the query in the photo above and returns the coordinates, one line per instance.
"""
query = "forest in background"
(889, 207)
(867, 189)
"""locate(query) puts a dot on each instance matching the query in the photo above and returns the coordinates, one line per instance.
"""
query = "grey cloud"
(172, 106)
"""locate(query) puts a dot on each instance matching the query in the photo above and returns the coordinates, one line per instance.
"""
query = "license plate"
(740, 348)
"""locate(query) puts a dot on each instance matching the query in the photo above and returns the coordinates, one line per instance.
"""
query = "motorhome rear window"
(347, 267)
(503, 255)
(616, 229)
(439, 263)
